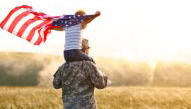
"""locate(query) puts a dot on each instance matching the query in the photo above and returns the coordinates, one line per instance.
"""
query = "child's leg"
(76, 55)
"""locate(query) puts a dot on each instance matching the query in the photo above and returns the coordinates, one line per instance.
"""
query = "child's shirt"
(72, 27)
(73, 37)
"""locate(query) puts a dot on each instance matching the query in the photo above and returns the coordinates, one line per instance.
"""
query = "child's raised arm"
(90, 18)
(58, 29)
(71, 20)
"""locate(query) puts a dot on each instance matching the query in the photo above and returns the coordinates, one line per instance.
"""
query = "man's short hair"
(85, 44)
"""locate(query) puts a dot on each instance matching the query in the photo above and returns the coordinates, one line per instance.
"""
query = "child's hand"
(97, 13)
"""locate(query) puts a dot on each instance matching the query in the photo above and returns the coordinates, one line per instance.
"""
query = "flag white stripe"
(42, 33)
(30, 27)
(12, 18)
(21, 22)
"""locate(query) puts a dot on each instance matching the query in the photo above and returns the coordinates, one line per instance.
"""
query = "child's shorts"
(76, 55)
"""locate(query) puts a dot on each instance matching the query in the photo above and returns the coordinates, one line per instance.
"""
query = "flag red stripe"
(39, 40)
(25, 6)
(24, 26)
(32, 32)
(16, 20)
(47, 31)
(8, 17)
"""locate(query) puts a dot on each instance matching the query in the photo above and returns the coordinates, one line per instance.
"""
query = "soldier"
(78, 80)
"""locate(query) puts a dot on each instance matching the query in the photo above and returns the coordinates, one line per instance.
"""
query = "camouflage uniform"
(78, 80)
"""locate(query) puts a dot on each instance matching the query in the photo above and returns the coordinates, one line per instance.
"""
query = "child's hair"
(80, 12)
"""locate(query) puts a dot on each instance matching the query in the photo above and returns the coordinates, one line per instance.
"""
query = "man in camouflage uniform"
(78, 80)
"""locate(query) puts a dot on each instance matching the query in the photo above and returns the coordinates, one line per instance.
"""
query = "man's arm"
(57, 80)
(97, 78)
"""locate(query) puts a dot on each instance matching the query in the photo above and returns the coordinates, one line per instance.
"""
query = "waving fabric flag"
(25, 23)
(70, 20)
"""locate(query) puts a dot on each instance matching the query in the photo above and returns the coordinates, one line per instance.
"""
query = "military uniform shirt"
(78, 80)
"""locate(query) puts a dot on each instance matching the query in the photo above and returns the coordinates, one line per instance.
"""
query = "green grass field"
(109, 98)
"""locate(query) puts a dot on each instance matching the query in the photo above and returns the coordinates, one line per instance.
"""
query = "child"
(73, 26)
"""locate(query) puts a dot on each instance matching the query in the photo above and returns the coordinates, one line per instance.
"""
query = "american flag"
(70, 20)
(28, 24)
(25, 23)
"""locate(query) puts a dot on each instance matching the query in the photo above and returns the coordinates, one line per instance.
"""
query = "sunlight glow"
(135, 30)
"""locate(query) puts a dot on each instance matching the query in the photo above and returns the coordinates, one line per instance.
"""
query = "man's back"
(78, 80)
